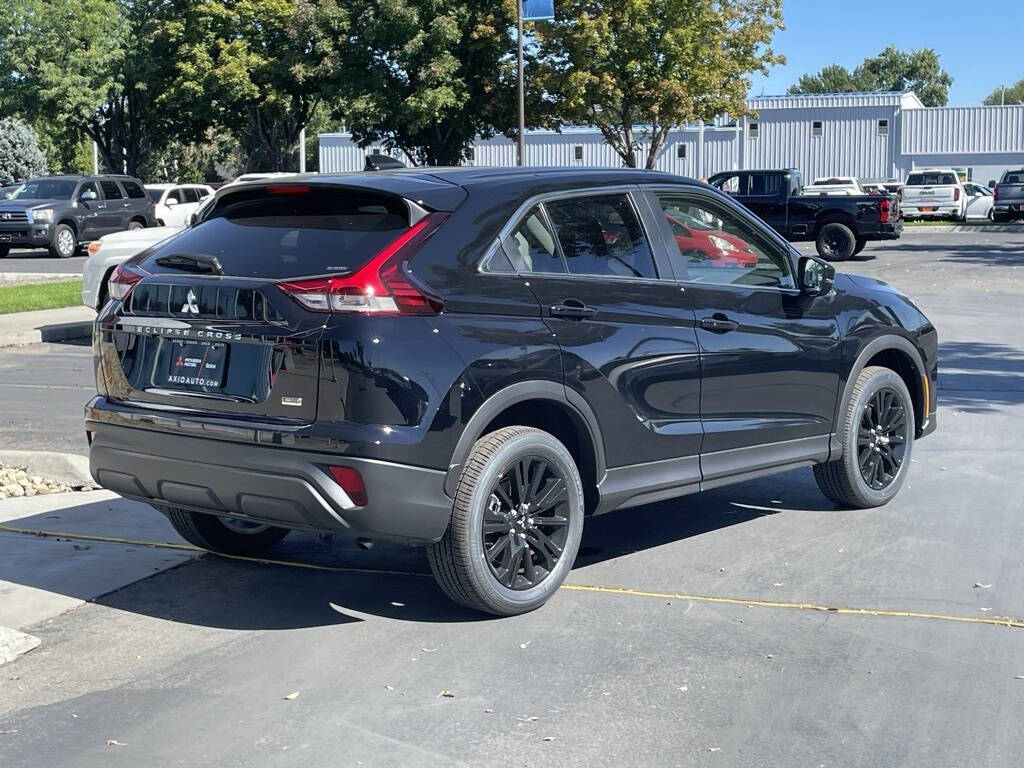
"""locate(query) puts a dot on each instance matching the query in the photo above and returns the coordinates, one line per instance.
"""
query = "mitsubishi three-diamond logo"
(190, 304)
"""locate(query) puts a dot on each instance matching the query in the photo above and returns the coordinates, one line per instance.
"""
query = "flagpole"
(521, 138)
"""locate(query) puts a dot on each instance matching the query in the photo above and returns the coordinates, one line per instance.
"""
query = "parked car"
(62, 212)
(476, 360)
(835, 185)
(1008, 197)
(980, 201)
(175, 203)
(933, 194)
(109, 251)
(840, 226)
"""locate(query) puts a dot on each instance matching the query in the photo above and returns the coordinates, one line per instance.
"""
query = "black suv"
(62, 212)
(477, 359)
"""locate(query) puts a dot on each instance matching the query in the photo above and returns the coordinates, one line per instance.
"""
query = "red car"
(718, 248)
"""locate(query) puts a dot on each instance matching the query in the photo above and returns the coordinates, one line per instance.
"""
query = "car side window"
(731, 185)
(717, 246)
(602, 235)
(191, 194)
(175, 195)
(88, 187)
(134, 190)
(530, 247)
(110, 190)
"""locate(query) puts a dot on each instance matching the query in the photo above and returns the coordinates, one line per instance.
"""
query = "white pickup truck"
(933, 193)
(835, 185)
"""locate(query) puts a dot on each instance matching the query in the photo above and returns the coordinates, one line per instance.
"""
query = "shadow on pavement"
(975, 253)
(233, 594)
(977, 373)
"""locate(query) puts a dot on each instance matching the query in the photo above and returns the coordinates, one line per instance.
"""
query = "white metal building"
(869, 135)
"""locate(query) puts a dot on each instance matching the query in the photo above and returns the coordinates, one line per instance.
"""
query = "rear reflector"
(123, 280)
(382, 285)
(351, 483)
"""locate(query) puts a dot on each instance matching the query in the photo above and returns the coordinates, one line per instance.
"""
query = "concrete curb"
(68, 468)
(55, 325)
(14, 643)
(927, 229)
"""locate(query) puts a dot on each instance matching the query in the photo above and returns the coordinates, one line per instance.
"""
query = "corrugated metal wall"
(984, 138)
(849, 144)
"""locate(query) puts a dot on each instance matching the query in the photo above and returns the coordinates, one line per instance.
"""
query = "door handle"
(574, 309)
(718, 324)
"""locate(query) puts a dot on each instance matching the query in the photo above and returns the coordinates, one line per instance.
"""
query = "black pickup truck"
(840, 225)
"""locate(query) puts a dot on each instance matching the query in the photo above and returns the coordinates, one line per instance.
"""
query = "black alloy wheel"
(526, 523)
(882, 439)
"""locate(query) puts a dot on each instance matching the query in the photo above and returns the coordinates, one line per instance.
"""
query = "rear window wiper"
(192, 262)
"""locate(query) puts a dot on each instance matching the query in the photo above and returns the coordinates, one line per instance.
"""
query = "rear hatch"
(226, 319)
(928, 190)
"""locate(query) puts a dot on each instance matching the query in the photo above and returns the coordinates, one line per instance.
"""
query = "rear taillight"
(956, 194)
(123, 280)
(995, 193)
(885, 211)
(351, 483)
(383, 285)
(899, 194)
(93, 247)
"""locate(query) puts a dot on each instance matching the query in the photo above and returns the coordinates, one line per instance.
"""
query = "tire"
(459, 560)
(861, 242)
(835, 242)
(65, 242)
(991, 215)
(4, 250)
(223, 535)
(843, 480)
(136, 224)
(1000, 218)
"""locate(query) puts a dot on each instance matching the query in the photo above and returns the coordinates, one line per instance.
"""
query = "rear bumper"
(269, 484)
(939, 211)
(1014, 209)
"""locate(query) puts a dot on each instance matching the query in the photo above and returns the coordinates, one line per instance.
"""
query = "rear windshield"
(1013, 178)
(925, 179)
(290, 236)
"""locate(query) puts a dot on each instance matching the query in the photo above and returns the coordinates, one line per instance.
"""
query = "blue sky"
(822, 32)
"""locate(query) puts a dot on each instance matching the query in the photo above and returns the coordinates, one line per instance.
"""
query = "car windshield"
(154, 193)
(45, 189)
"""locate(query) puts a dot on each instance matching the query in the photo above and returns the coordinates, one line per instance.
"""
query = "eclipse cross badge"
(190, 304)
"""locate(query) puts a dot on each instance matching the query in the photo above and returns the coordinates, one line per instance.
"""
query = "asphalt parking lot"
(693, 632)
(40, 261)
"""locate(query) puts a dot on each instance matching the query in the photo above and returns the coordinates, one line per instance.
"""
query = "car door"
(115, 214)
(191, 203)
(770, 355)
(767, 196)
(174, 214)
(979, 201)
(89, 212)
(138, 201)
(625, 329)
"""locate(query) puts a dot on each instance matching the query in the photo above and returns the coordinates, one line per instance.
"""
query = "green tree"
(248, 67)
(20, 155)
(655, 63)
(422, 76)
(1011, 94)
(891, 70)
(91, 67)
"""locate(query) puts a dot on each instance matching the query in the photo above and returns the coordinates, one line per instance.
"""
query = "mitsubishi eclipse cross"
(477, 360)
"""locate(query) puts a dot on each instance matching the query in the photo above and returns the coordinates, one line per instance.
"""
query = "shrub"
(20, 155)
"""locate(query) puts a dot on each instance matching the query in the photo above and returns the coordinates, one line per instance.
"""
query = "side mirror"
(88, 196)
(816, 276)
(991, 184)
(170, 202)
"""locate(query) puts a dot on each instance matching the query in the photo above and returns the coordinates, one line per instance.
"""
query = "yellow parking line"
(999, 621)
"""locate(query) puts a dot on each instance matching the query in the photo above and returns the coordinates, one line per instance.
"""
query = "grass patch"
(24, 298)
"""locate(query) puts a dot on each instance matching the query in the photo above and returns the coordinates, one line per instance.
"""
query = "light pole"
(521, 138)
(1002, 95)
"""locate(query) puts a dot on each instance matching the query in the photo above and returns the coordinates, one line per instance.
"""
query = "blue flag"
(538, 10)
